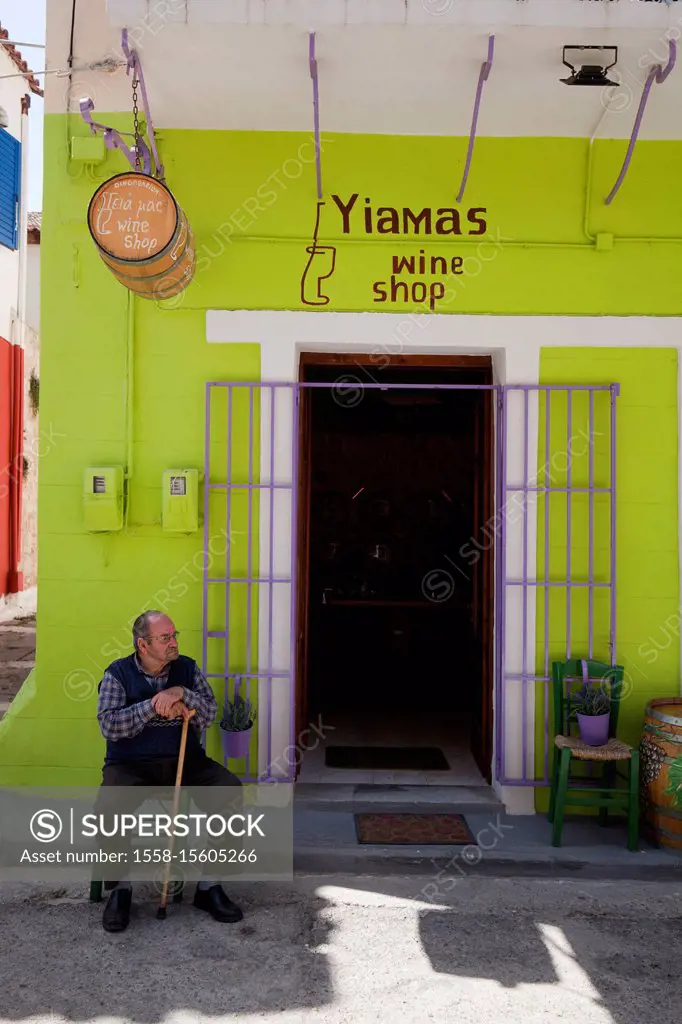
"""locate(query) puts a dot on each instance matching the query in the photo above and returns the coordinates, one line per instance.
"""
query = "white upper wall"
(321, 13)
(403, 70)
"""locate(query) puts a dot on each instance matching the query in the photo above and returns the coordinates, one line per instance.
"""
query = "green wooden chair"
(97, 886)
(600, 789)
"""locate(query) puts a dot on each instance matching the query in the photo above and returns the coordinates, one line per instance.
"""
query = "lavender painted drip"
(482, 77)
(112, 138)
(135, 65)
(312, 63)
(658, 74)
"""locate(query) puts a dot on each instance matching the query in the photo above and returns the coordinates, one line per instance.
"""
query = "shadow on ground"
(65, 964)
(524, 950)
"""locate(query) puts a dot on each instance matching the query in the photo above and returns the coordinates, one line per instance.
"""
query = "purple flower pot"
(236, 744)
(594, 729)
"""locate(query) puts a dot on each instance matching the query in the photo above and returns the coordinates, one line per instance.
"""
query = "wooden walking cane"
(161, 912)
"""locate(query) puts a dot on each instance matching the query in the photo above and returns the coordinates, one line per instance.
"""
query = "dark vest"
(161, 736)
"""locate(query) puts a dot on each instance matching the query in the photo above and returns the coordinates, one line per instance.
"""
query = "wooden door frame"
(380, 361)
(301, 571)
(484, 757)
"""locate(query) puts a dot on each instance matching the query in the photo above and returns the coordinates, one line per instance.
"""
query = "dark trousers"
(199, 770)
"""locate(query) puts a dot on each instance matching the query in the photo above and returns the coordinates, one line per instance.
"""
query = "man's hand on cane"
(180, 710)
(166, 700)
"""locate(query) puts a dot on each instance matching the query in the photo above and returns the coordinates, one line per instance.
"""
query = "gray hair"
(141, 625)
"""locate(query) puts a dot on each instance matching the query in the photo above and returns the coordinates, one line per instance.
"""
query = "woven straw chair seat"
(613, 750)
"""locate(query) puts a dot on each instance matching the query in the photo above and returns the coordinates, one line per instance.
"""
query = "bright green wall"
(90, 588)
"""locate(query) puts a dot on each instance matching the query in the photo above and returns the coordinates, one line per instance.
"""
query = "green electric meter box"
(103, 498)
(180, 503)
(88, 149)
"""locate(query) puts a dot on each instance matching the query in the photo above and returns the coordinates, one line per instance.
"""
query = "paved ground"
(356, 949)
(457, 944)
(17, 657)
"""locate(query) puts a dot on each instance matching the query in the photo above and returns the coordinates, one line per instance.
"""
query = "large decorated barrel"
(661, 772)
(142, 235)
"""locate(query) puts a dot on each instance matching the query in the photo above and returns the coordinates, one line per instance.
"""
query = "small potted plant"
(592, 709)
(236, 724)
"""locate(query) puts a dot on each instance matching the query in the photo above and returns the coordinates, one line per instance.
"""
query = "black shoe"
(218, 904)
(116, 915)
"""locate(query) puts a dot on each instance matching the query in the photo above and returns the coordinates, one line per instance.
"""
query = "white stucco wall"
(385, 66)
(11, 92)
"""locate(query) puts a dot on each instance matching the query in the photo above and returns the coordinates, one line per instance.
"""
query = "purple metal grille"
(545, 553)
(556, 565)
(246, 471)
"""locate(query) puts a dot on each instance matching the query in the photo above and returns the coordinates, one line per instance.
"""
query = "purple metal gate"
(556, 564)
(555, 449)
(249, 601)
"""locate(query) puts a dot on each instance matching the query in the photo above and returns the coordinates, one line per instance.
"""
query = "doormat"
(387, 759)
(413, 830)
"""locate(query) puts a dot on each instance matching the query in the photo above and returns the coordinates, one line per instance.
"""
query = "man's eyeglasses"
(165, 638)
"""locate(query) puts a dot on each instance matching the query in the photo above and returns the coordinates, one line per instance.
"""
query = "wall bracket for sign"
(135, 66)
(139, 155)
(312, 63)
(142, 235)
(135, 155)
(321, 261)
(482, 77)
(658, 74)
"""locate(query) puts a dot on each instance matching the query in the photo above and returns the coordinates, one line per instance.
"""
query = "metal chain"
(136, 123)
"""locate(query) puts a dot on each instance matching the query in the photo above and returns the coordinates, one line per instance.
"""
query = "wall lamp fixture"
(589, 74)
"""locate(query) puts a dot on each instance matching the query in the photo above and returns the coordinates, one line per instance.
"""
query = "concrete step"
(364, 797)
(447, 865)
(326, 842)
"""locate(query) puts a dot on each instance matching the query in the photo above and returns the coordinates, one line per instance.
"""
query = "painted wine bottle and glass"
(320, 266)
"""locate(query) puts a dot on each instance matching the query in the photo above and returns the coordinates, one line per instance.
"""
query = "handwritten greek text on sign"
(133, 217)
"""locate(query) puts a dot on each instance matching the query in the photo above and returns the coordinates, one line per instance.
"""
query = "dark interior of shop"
(395, 607)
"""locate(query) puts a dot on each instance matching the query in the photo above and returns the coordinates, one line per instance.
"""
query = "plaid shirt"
(119, 722)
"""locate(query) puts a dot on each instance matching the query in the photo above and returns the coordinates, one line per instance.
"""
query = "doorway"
(395, 598)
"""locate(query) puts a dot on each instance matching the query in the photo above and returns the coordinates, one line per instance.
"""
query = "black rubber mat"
(387, 759)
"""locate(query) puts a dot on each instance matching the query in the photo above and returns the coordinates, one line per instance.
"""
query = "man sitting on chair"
(142, 702)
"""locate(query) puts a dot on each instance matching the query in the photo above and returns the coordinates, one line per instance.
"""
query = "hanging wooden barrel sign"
(661, 772)
(142, 235)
